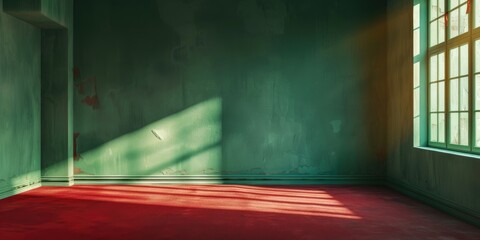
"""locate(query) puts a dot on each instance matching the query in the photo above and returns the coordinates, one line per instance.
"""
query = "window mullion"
(447, 98)
(459, 97)
(471, 90)
(447, 79)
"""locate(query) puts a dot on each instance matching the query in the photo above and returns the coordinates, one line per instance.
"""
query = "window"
(450, 88)
(419, 72)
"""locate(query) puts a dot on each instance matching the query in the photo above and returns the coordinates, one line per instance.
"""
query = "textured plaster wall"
(19, 102)
(251, 87)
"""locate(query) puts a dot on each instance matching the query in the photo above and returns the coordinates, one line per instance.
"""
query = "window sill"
(450, 152)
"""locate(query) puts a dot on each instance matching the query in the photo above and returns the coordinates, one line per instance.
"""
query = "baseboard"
(57, 181)
(232, 179)
(447, 206)
(14, 190)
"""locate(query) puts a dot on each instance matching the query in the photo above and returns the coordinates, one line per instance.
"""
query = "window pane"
(433, 68)
(433, 33)
(453, 23)
(464, 129)
(416, 75)
(416, 16)
(477, 55)
(416, 42)
(464, 59)
(433, 9)
(441, 96)
(416, 131)
(477, 92)
(464, 94)
(477, 13)
(454, 95)
(453, 3)
(441, 127)
(463, 20)
(477, 129)
(441, 66)
(433, 97)
(441, 29)
(454, 136)
(416, 103)
(441, 7)
(433, 127)
(454, 62)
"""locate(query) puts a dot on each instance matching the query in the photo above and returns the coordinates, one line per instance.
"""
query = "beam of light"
(197, 196)
(187, 142)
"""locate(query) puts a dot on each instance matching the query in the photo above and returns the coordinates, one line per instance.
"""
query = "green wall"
(449, 181)
(19, 103)
(52, 60)
(57, 93)
(214, 87)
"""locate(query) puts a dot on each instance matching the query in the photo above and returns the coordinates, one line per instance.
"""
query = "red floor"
(223, 212)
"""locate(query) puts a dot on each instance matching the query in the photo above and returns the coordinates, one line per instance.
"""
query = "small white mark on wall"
(156, 133)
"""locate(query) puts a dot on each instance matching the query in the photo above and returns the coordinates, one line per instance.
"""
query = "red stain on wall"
(91, 101)
(77, 170)
(81, 86)
(76, 155)
(76, 73)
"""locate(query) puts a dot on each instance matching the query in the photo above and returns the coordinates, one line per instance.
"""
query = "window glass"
(441, 66)
(454, 94)
(433, 97)
(441, 127)
(416, 16)
(477, 129)
(464, 60)
(476, 11)
(433, 33)
(464, 129)
(454, 62)
(454, 133)
(463, 20)
(477, 92)
(464, 94)
(433, 127)
(441, 96)
(453, 23)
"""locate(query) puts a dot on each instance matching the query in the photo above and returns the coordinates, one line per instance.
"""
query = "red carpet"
(223, 212)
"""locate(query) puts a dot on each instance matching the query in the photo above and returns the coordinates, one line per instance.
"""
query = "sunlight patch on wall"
(187, 142)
